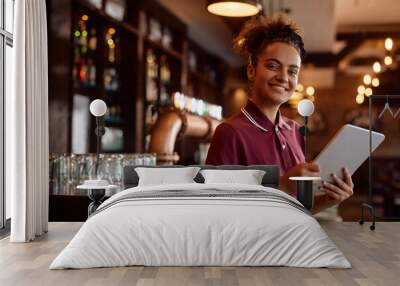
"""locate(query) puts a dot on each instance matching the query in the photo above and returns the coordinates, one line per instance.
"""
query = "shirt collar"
(263, 120)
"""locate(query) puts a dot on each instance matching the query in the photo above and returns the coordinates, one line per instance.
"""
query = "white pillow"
(163, 176)
(249, 177)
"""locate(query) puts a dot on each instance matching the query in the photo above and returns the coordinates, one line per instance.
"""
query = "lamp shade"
(98, 107)
(305, 107)
(233, 8)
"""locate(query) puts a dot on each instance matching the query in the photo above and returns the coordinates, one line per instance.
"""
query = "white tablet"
(348, 148)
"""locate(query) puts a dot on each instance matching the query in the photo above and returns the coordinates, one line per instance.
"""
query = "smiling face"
(275, 76)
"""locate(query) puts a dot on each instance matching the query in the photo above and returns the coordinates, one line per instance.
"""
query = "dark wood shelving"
(201, 77)
(164, 49)
(108, 18)
(88, 91)
(119, 124)
(131, 66)
(128, 103)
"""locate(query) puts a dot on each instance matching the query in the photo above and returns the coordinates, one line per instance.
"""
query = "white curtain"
(27, 124)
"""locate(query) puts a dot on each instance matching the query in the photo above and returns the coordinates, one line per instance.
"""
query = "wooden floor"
(375, 256)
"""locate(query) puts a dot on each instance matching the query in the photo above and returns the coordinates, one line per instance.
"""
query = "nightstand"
(96, 194)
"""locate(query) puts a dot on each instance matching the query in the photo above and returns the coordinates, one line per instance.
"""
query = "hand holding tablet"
(349, 148)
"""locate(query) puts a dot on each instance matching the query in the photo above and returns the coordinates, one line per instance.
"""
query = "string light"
(85, 17)
(388, 44)
(361, 89)
(388, 60)
(310, 90)
(367, 79)
(296, 96)
(368, 91)
(375, 82)
(360, 98)
(302, 92)
(376, 67)
(300, 87)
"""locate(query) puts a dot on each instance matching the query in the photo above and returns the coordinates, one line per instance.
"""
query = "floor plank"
(375, 257)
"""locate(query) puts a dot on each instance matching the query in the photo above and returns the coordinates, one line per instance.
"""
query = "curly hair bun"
(259, 32)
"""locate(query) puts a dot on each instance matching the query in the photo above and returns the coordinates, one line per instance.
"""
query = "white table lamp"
(98, 108)
(305, 108)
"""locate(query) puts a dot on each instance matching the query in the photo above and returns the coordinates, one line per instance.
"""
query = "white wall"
(8, 72)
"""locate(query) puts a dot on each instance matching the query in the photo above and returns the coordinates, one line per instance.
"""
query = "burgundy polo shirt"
(238, 141)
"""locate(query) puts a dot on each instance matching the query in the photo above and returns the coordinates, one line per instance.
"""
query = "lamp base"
(305, 193)
(100, 131)
(96, 196)
(303, 130)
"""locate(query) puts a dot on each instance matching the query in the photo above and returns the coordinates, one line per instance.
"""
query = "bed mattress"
(201, 225)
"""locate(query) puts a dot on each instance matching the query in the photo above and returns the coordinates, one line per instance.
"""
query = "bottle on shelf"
(165, 72)
(83, 37)
(112, 42)
(84, 69)
(113, 114)
(91, 73)
(111, 76)
(93, 39)
(151, 76)
(111, 82)
(83, 72)
(165, 78)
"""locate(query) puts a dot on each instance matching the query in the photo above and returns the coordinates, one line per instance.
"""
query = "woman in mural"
(260, 134)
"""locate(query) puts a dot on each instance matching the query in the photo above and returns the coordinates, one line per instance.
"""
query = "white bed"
(269, 228)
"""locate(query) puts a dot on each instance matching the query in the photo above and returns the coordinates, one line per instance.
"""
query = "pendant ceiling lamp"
(234, 8)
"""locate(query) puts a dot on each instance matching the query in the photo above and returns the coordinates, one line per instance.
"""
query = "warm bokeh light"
(233, 9)
(300, 87)
(311, 97)
(375, 82)
(388, 60)
(376, 67)
(239, 99)
(360, 98)
(296, 96)
(111, 31)
(367, 79)
(310, 90)
(85, 17)
(368, 91)
(361, 89)
(388, 44)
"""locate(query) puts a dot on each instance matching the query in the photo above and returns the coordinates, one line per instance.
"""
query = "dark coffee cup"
(305, 192)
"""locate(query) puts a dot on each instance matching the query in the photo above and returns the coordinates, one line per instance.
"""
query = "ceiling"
(320, 21)
(208, 31)
(367, 12)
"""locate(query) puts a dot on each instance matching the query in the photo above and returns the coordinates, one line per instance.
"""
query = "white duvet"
(200, 231)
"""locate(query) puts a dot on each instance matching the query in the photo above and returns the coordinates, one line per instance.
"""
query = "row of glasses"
(145, 159)
(69, 170)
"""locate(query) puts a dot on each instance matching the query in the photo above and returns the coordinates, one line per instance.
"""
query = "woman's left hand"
(340, 190)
